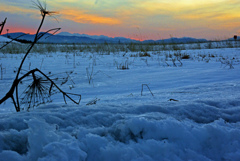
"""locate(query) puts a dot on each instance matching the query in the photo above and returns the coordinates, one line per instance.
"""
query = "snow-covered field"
(193, 114)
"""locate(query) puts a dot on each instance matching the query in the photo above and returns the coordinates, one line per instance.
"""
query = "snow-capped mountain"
(83, 35)
(177, 40)
(170, 40)
(74, 38)
(4, 39)
(102, 38)
(66, 37)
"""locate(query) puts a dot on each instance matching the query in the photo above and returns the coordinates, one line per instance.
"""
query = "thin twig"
(148, 89)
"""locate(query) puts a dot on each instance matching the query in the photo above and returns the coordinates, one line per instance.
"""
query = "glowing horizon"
(141, 20)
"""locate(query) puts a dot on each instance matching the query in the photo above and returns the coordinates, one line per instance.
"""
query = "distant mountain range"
(66, 37)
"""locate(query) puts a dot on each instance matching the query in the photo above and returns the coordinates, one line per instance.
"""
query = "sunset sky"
(138, 19)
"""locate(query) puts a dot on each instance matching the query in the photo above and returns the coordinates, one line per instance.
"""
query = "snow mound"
(109, 132)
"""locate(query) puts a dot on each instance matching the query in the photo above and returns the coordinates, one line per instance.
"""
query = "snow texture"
(193, 115)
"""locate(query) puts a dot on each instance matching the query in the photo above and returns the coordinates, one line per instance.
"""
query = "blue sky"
(152, 19)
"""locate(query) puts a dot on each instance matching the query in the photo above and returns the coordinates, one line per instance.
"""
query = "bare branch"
(148, 89)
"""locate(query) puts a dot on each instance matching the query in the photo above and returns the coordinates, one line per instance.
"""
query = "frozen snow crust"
(204, 124)
(119, 133)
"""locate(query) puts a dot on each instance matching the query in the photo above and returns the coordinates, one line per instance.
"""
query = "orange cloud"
(231, 25)
(209, 16)
(227, 17)
(81, 17)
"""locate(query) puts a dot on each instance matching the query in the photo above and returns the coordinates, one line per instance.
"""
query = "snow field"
(123, 125)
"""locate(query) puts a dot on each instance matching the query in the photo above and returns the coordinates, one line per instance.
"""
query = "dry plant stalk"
(36, 91)
(2, 25)
(148, 89)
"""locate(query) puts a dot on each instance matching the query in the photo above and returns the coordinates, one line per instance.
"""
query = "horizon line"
(136, 39)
